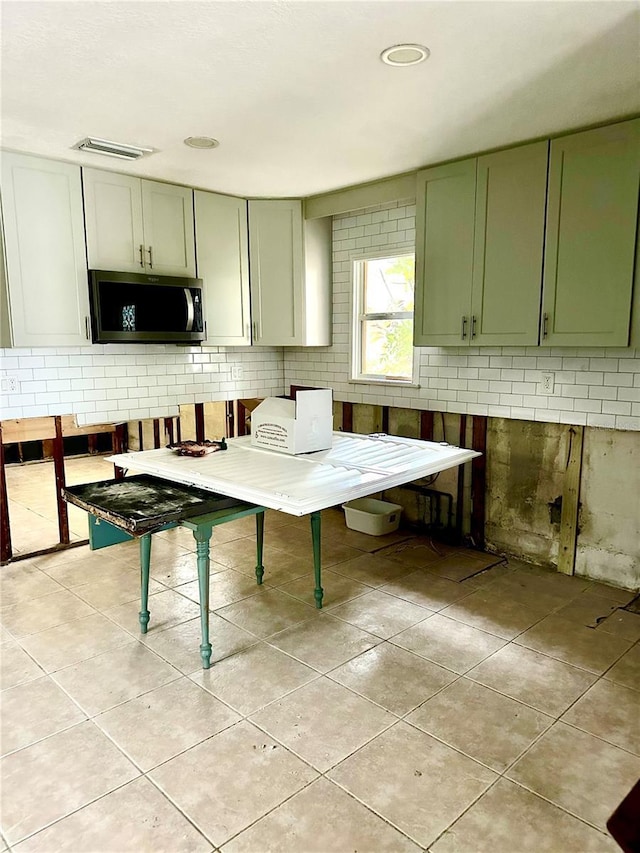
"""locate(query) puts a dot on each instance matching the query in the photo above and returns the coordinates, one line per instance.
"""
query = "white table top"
(354, 467)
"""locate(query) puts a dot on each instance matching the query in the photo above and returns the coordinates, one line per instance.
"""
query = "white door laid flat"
(354, 467)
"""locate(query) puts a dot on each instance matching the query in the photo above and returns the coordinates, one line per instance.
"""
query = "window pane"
(388, 285)
(387, 348)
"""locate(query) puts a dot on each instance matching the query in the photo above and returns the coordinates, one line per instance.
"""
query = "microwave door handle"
(190, 310)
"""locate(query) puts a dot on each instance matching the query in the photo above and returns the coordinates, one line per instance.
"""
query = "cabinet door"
(168, 229)
(276, 255)
(511, 192)
(45, 252)
(445, 208)
(113, 216)
(591, 235)
(222, 253)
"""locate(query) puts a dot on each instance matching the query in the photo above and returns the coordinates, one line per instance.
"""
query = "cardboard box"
(294, 426)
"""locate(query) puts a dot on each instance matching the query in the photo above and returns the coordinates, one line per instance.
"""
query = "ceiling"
(296, 92)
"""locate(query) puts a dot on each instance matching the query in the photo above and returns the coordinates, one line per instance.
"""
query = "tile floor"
(434, 704)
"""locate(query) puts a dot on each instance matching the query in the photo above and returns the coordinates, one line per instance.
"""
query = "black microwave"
(139, 308)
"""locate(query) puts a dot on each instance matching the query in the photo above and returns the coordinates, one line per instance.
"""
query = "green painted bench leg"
(259, 545)
(202, 536)
(145, 563)
(315, 535)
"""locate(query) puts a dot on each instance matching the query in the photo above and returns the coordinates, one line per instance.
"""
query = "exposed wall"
(124, 382)
(595, 387)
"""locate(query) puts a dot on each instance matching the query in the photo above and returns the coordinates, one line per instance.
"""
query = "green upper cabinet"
(445, 205)
(591, 236)
(479, 241)
(509, 235)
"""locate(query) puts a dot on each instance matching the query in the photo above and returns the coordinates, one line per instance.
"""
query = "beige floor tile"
(337, 589)
(578, 772)
(180, 645)
(333, 548)
(574, 644)
(614, 593)
(627, 670)
(324, 642)
(5, 636)
(622, 623)
(373, 570)
(449, 643)
(16, 667)
(225, 587)
(368, 542)
(412, 780)
(254, 677)
(321, 818)
(114, 677)
(485, 725)
(282, 568)
(425, 589)
(537, 680)
(611, 712)
(165, 722)
(23, 581)
(458, 567)
(74, 642)
(112, 591)
(549, 590)
(587, 609)
(381, 614)
(508, 818)
(167, 609)
(323, 722)
(34, 711)
(268, 612)
(58, 775)
(180, 570)
(242, 552)
(392, 677)
(29, 617)
(134, 818)
(417, 552)
(253, 774)
(495, 613)
(92, 567)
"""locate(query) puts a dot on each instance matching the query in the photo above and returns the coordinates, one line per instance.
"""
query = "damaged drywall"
(609, 540)
(525, 472)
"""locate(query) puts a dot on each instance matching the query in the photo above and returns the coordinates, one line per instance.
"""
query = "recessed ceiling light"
(405, 54)
(112, 149)
(201, 142)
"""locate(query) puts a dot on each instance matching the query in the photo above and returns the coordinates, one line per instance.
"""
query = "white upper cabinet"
(290, 269)
(222, 250)
(135, 225)
(44, 252)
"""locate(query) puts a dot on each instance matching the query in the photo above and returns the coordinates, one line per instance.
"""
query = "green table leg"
(259, 545)
(202, 536)
(315, 536)
(145, 562)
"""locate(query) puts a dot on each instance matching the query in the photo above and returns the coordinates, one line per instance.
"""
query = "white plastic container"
(371, 516)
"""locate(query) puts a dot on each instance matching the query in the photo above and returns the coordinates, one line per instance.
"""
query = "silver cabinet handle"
(545, 326)
(463, 331)
(87, 328)
(150, 250)
(141, 255)
(473, 326)
(255, 330)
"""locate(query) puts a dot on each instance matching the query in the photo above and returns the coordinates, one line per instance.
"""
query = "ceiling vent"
(112, 149)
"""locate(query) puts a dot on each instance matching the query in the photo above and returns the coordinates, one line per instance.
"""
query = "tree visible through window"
(383, 339)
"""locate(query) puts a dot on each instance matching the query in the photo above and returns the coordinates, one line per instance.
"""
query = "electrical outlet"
(547, 383)
(237, 371)
(10, 385)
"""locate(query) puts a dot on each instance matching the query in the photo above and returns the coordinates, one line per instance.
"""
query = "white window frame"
(357, 316)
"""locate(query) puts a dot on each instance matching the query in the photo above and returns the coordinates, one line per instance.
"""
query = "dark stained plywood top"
(144, 503)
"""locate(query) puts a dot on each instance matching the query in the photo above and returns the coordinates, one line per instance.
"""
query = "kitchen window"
(383, 289)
